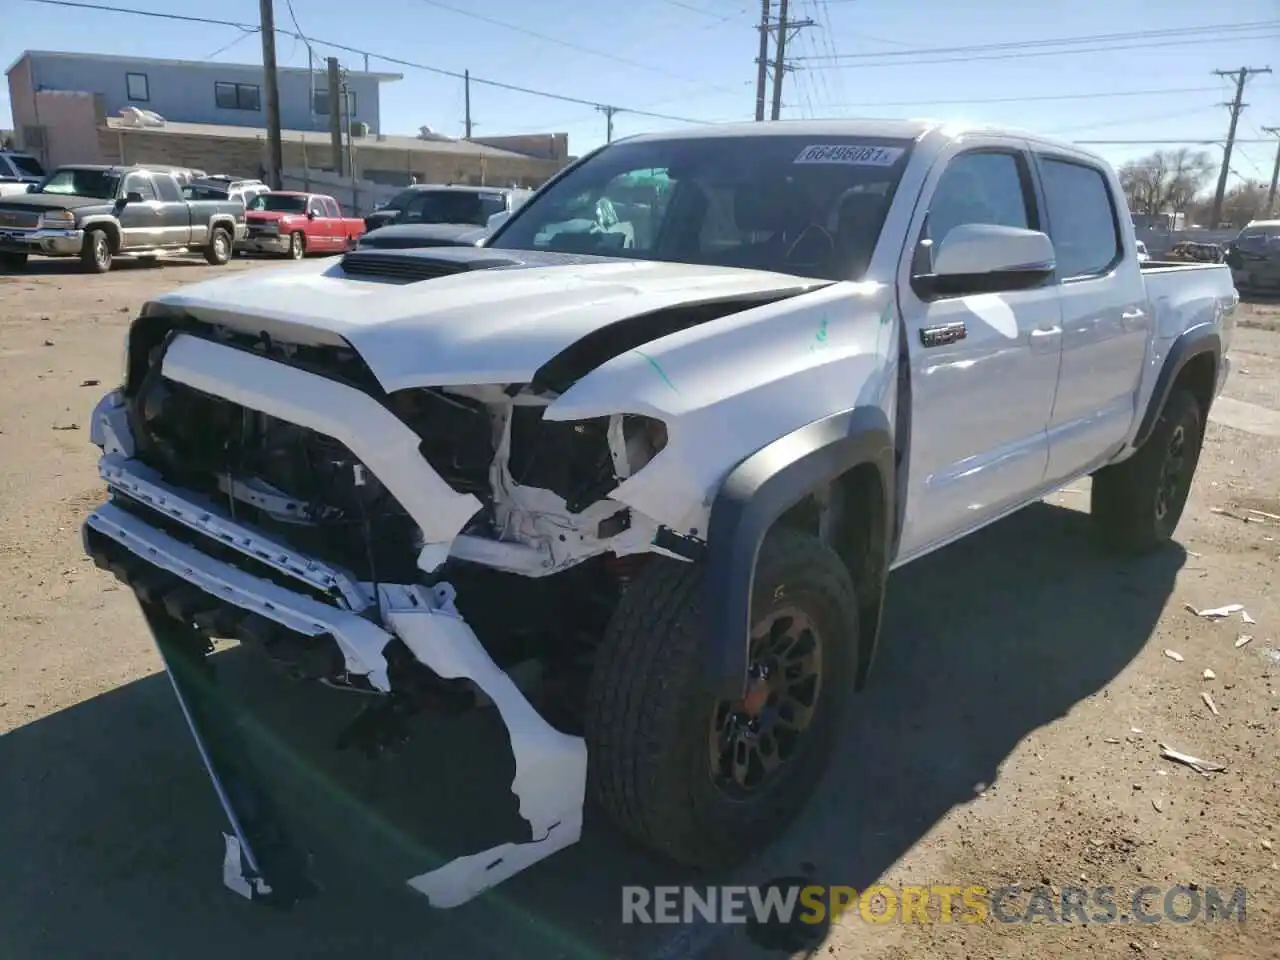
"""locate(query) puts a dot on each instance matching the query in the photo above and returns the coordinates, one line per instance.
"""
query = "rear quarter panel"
(1184, 297)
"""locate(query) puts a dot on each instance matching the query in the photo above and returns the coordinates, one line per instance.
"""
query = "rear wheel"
(14, 262)
(706, 782)
(218, 251)
(1137, 503)
(96, 254)
(297, 246)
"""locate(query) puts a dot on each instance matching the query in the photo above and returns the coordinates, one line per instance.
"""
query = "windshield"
(278, 203)
(75, 182)
(452, 206)
(798, 205)
(27, 166)
(204, 191)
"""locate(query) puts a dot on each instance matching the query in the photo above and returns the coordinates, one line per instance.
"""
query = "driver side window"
(982, 186)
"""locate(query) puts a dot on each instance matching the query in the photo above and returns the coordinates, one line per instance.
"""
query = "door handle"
(1043, 338)
(1131, 319)
(943, 334)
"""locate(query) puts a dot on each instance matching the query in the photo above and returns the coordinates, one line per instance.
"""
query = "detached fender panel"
(1189, 345)
(754, 495)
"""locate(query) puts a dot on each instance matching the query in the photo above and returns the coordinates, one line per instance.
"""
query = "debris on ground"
(1216, 613)
(1208, 702)
(1110, 740)
(1174, 655)
(1209, 674)
(1243, 639)
(1158, 804)
(90, 383)
(1263, 513)
(48, 343)
(1244, 615)
(1202, 767)
(69, 426)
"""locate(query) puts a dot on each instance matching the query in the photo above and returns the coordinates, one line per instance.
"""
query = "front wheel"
(1136, 504)
(96, 255)
(218, 251)
(297, 246)
(705, 782)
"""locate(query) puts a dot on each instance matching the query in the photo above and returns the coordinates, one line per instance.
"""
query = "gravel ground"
(1011, 735)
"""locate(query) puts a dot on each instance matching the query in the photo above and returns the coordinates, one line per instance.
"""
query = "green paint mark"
(662, 373)
(822, 331)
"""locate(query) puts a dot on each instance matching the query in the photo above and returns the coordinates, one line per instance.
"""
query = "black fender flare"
(1189, 345)
(755, 494)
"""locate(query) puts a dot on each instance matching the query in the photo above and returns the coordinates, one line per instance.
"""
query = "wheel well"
(1199, 375)
(112, 232)
(849, 514)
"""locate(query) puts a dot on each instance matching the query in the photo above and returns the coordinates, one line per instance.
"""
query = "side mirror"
(133, 196)
(311, 214)
(984, 258)
(498, 219)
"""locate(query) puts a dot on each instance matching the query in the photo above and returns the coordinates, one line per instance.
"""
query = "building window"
(237, 96)
(136, 86)
(320, 103)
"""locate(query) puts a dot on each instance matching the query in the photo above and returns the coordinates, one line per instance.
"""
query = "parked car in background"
(99, 213)
(296, 224)
(401, 236)
(447, 204)
(1254, 257)
(224, 188)
(1193, 251)
(18, 172)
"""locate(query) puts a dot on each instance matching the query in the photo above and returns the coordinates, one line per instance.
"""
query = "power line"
(396, 61)
(1186, 141)
(1071, 52)
(1101, 95)
(569, 44)
(1066, 41)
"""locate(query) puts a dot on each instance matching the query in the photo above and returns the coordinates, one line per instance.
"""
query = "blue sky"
(694, 59)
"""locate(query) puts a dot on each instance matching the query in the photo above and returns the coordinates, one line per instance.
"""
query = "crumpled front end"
(274, 496)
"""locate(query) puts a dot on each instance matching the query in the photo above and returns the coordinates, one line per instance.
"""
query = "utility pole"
(762, 61)
(267, 17)
(608, 119)
(335, 115)
(1242, 77)
(466, 87)
(351, 146)
(1275, 172)
(784, 27)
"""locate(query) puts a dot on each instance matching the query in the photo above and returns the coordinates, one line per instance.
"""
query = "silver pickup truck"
(100, 213)
(669, 466)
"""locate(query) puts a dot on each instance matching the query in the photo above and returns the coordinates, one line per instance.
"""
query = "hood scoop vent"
(412, 266)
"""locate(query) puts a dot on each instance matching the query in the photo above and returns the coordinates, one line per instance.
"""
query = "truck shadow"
(112, 830)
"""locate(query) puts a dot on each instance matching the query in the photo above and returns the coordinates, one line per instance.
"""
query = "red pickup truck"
(295, 224)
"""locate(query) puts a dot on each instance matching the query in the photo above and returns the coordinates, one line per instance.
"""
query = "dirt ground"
(1011, 735)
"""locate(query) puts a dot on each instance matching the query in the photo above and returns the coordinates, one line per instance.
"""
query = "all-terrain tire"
(297, 246)
(1136, 504)
(96, 254)
(218, 252)
(649, 719)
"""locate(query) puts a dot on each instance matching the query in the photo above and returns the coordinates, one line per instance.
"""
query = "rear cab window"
(1083, 222)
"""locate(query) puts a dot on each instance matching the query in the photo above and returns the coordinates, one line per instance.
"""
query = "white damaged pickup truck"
(638, 485)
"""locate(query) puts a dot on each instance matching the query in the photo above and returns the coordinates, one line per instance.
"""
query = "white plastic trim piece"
(551, 767)
(361, 642)
(109, 425)
(139, 482)
(233, 877)
(382, 442)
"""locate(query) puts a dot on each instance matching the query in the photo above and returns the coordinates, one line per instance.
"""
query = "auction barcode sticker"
(865, 156)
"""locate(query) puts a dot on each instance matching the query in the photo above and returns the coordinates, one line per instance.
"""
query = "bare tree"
(1244, 202)
(1166, 181)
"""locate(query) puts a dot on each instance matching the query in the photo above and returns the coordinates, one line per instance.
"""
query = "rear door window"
(1082, 218)
(167, 188)
(140, 183)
